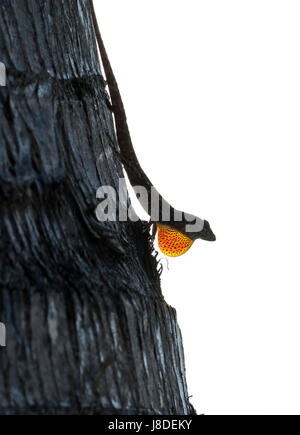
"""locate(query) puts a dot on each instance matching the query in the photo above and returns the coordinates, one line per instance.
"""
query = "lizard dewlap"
(173, 243)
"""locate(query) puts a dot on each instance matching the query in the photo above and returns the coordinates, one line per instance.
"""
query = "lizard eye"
(173, 243)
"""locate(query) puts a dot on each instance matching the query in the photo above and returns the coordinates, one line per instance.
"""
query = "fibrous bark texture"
(88, 331)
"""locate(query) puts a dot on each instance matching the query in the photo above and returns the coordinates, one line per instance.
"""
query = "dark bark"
(88, 330)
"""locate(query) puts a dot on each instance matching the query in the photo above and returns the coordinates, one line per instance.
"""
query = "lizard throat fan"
(173, 243)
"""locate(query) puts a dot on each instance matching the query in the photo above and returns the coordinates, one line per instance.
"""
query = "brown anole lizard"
(177, 231)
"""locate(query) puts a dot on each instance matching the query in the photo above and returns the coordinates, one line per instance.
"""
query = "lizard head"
(205, 233)
(194, 228)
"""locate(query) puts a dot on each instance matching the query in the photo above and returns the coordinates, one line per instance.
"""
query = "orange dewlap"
(173, 243)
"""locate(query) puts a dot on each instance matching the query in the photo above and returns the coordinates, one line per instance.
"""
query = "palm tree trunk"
(87, 328)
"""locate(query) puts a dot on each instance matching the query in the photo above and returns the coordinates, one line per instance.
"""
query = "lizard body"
(177, 231)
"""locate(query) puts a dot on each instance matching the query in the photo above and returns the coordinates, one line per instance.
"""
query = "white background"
(212, 93)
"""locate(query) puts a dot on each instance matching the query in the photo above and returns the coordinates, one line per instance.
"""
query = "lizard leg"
(154, 231)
